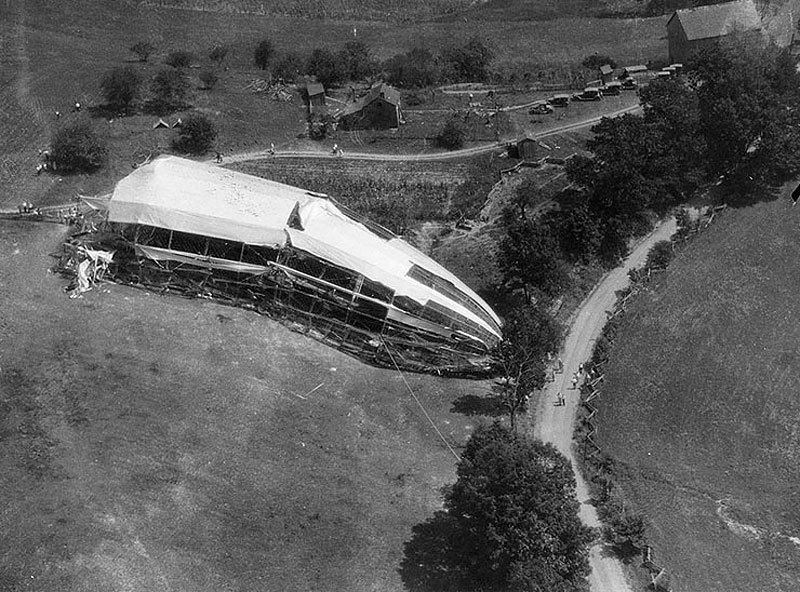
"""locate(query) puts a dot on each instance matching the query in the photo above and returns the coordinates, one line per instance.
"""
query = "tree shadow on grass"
(742, 191)
(490, 406)
(430, 562)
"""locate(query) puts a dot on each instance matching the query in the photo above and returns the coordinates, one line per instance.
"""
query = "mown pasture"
(700, 408)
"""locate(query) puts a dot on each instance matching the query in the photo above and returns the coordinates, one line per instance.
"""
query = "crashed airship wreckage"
(176, 225)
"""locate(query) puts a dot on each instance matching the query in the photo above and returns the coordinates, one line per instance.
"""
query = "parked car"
(589, 94)
(540, 108)
(559, 100)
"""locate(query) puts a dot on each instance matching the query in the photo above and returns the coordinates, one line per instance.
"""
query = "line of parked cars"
(598, 91)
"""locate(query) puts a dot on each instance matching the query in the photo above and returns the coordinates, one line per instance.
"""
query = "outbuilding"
(316, 97)
(606, 72)
(526, 148)
(378, 109)
(693, 29)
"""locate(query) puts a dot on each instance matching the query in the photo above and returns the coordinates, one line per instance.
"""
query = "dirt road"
(435, 156)
(555, 424)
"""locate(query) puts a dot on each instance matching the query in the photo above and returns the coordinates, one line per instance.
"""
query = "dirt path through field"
(472, 151)
(555, 424)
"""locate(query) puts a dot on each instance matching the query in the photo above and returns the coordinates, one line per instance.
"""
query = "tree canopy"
(168, 89)
(514, 501)
(76, 148)
(197, 134)
(262, 54)
(143, 49)
(748, 95)
(470, 62)
(529, 334)
(120, 87)
(530, 256)
(324, 65)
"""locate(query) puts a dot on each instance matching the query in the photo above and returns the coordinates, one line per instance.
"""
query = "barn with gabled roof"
(693, 29)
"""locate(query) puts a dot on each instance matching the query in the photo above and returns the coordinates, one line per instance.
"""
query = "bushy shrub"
(660, 255)
(168, 90)
(324, 65)
(209, 78)
(76, 148)
(263, 53)
(143, 49)
(196, 136)
(218, 53)
(288, 67)
(452, 135)
(120, 87)
(179, 59)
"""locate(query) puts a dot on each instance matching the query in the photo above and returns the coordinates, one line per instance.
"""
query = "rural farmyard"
(415, 296)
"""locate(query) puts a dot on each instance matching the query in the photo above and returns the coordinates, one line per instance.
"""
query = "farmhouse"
(692, 29)
(204, 230)
(378, 109)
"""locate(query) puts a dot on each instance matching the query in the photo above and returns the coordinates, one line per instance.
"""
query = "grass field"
(700, 406)
(54, 54)
(152, 442)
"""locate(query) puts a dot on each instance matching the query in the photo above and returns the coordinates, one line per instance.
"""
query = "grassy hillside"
(157, 443)
(53, 54)
(700, 405)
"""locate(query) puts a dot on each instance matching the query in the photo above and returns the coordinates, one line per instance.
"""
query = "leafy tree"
(355, 61)
(452, 135)
(748, 101)
(120, 87)
(143, 49)
(168, 90)
(288, 67)
(209, 78)
(76, 148)
(179, 59)
(530, 255)
(323, 64)
(529, 333)
(415, 69)
(196, 136)
(514, 501)
(624, 529)
(262, 55)
(672, 115)
(579, 232)
(471, 61)
(218, 54)
(594, 61)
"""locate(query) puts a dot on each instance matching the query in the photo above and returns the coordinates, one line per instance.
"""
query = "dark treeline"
(418, 67)
(731, 119)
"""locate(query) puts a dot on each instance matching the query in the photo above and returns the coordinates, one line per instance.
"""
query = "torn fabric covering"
(388, 275)
(158, 254)
(179, 194)
(90, 266)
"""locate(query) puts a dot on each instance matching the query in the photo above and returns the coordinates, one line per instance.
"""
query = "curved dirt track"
(555, 424)
(424, 157)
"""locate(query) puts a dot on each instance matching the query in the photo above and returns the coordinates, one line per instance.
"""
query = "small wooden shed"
(527, 148)
(316, 97)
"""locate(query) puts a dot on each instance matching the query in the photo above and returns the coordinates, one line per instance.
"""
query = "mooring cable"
(410, 390)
